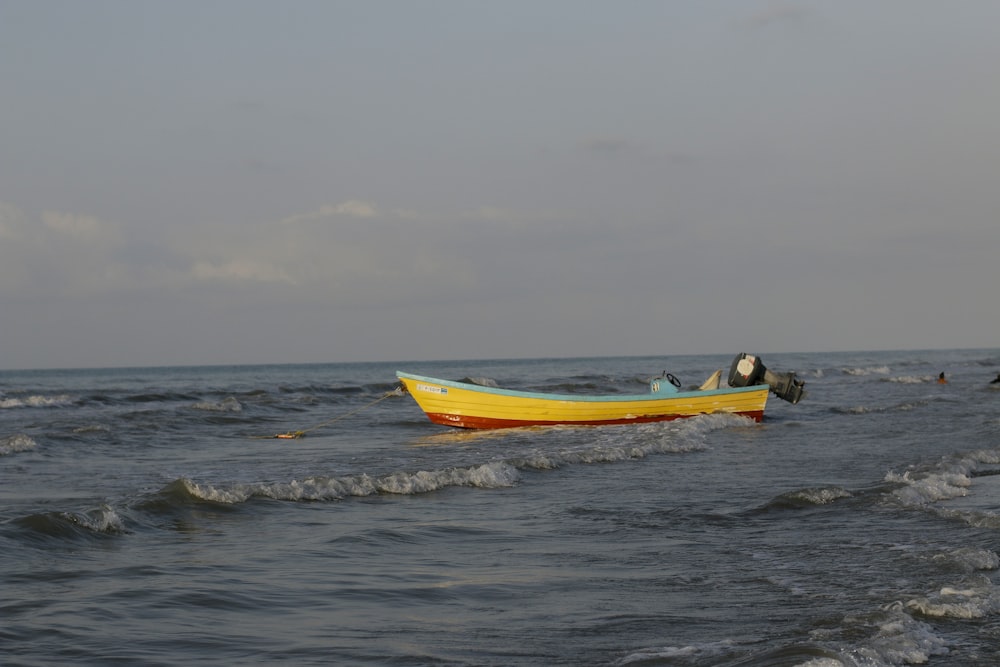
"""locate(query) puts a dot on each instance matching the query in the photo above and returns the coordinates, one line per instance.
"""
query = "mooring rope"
(292, 435)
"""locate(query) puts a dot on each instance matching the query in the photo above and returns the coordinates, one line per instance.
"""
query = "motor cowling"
(748, 370)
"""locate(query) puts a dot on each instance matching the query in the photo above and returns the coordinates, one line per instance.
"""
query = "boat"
(474, 406)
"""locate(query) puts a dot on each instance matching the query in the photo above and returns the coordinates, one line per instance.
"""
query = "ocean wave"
(810, 497)
(968, 559)
(36, 402)
(100, 521)
(16, 443)
(321, 389)
(895, 634)
(988, 456)
(974, 518)
(481, 381)
(877, 409)
(730, 652)
(229, 404)
(856, 410)
(489, 475)
(92, 428)
(924, 488)
(611, 453)
(634, 442)
(870, 370)
(159, 397)
(975, 599)
(887, 636)
(614, 444)
(900, 639)
(910, 379)
(692, 652)
(946, 479)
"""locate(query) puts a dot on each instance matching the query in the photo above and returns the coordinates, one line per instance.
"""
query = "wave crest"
(969, 602)
(36, 402)
(870, 370)
(16, 443)
(103, 520)
(489, 476)
(229, 404)
(812, 496)
(969, 559)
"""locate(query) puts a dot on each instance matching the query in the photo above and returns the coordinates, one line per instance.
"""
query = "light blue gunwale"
(602, 398)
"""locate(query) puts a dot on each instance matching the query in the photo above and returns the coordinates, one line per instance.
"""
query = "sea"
(149, 516)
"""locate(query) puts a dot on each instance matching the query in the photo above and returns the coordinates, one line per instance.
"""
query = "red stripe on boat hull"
(462, 421)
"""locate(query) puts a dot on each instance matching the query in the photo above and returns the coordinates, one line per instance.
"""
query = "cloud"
(12, 222)
(398, 253)
(241, 270)
(778, 12)
(607, 147)
(349, 209)
(80, 226)
(357, 209)
(394, 255)
(58, 252)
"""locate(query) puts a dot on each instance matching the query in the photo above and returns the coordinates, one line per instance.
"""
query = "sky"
(239, 181)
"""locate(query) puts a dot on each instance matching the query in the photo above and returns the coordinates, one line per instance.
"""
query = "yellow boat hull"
(465, 405)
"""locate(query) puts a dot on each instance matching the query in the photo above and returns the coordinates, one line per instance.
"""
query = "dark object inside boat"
(748, 370)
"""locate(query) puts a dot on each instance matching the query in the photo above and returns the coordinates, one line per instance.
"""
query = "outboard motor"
(748, 370)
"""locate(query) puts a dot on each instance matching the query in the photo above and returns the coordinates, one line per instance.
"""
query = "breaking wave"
(910, 379)
(16, 443)
(870, 409)
(948, 479)
(101, 521)
(634, 442)
(872, 370)
(481, 381)
(968, 559)
(968, 600)
(229, 404)
(36, 401)
(489, 476)
(810, 497)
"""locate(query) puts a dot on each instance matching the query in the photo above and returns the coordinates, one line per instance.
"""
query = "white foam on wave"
(690, 652)
(101, 520)
(36, 401)
(614, 444)
(231, 496)
(617, 445)
(483, 382)
(877, 409)
(903, 638)
(16, 443)
(487, 476)
(971, 600)
(820, 495)
(988, 456)
(229, 404)
(968, 559)
(871, 370)
(945, 480)
(490, 475)
(911, 379)
(921, 489)
(894, 638)
(92, 428)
